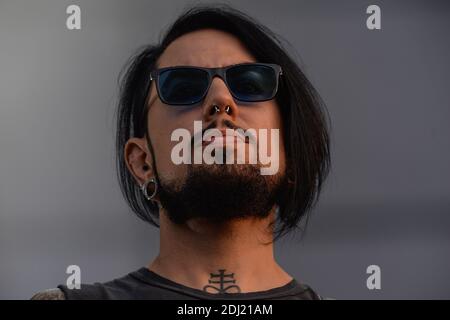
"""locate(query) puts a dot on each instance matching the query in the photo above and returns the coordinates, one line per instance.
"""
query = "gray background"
(386, 201)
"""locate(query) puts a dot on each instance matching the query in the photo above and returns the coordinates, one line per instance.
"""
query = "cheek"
(266, 116)
(278, 123)
(278, 146)
(282, 156)
(162, 123)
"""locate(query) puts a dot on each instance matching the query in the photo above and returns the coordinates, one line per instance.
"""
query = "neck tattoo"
(221, 279)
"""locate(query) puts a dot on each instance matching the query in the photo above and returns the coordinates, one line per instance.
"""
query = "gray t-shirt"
(144, 284)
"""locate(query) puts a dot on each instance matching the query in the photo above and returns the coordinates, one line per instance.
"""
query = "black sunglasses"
(185, 85)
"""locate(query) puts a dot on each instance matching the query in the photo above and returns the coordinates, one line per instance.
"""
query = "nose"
(219, 103)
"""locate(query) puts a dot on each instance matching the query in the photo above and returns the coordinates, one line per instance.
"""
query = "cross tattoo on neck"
(221, 281)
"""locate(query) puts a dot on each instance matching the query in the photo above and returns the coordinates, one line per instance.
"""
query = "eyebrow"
(189, 65)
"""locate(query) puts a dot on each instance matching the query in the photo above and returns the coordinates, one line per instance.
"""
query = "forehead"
(205, 48)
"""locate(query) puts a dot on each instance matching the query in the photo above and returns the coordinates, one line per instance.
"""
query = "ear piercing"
(144, 188)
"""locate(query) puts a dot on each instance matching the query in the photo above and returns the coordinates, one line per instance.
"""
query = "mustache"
(228, 124)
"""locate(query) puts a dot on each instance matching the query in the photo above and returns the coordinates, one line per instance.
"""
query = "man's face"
(199, 189)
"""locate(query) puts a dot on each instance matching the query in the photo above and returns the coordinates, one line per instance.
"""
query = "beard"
(221, 193)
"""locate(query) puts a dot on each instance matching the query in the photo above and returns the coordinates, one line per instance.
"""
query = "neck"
(192, 254)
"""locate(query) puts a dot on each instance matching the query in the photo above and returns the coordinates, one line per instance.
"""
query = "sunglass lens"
(252, 82)
(182, 86)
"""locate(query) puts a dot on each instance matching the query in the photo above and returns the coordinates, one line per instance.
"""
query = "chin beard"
(221, 193)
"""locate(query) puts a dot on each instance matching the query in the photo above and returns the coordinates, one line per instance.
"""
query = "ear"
(138, 159)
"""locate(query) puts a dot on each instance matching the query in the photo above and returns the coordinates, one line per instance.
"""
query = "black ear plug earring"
(145, 167)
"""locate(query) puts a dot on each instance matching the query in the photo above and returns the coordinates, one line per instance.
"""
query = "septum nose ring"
(217, 109)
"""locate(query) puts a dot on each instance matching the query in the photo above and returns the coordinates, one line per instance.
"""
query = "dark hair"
(302, 110)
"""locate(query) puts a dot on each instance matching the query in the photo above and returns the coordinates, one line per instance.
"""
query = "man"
(218, 218)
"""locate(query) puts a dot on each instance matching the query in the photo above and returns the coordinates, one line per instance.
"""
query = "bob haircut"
(305, 127)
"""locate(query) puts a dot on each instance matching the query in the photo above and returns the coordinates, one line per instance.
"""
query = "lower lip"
(222, 141)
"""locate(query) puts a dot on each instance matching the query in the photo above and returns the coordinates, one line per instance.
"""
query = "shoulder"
(309, 294)
(119, 288)
(49, 294)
